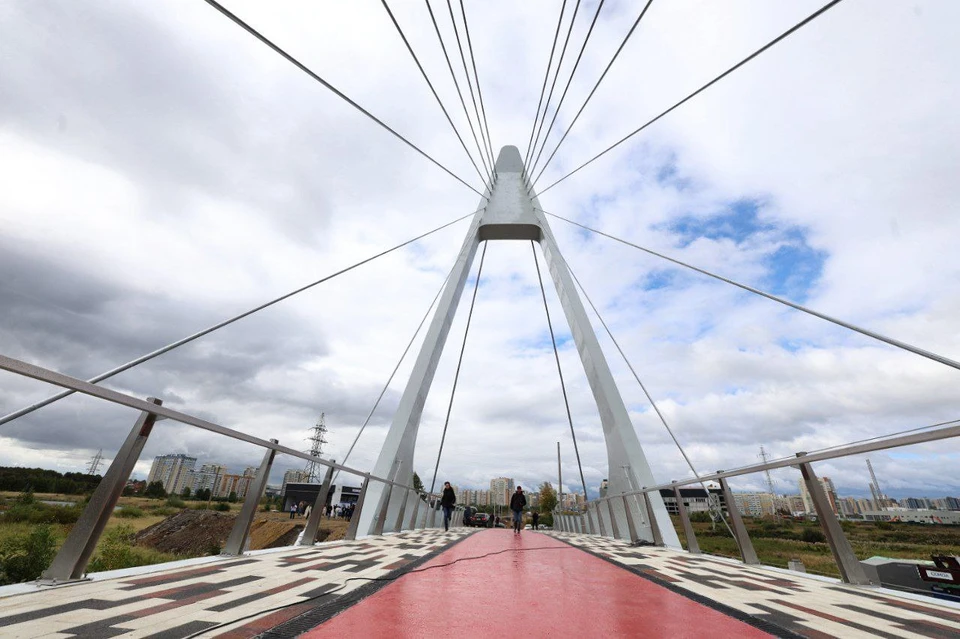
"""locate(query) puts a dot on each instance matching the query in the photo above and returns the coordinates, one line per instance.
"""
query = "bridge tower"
(511, 213)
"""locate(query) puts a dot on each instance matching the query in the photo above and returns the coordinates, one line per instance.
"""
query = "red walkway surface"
(540, 587)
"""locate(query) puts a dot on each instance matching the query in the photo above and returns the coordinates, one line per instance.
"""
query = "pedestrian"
(517, 503)
(536, 519)
(293, 510)
(447, 500)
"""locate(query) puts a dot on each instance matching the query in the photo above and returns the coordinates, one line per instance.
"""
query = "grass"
(776, 544)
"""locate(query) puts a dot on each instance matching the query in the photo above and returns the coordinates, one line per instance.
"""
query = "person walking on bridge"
(517, 503)
(447, 500)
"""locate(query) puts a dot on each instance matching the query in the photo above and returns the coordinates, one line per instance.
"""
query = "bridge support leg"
(693, 546)
(850, 568)
(355, 518)
(631, 528)
(654, 524)
(71, 562)
(739, 530)
(313, 523)
(238, 541)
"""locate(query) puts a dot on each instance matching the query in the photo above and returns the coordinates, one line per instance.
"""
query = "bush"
(118, 551)
(701, 517)
(34, 512)
(176, 502)
(25, 557)
(130, 512)
(812, 536)
(222, 506)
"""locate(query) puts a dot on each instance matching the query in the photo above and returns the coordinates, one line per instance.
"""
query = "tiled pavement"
(255, 593)
(808, 606)
(183, 601)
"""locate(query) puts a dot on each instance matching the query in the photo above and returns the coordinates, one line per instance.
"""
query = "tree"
(548, 497)
(232, 498)
(155, 490)
(417, 484)
(203, 494)
(185, 493)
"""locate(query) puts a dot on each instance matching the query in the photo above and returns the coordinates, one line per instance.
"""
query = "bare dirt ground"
(204, 532)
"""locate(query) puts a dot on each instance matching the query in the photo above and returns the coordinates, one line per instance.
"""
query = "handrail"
(33, 371)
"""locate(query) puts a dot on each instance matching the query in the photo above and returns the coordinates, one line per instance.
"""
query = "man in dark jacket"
(517, 503)
(447, 500)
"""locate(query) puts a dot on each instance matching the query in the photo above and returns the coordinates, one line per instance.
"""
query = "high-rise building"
(175, 472)
(231, 483)
(828, 488)
(292, 476)
(755, 504)
(500, 490)
(208, 477)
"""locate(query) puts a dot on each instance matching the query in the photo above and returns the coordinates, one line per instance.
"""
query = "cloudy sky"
(162, 170)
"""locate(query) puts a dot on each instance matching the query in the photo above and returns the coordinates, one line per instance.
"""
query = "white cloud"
(164, 171)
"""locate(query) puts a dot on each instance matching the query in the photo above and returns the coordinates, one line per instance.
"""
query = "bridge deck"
(536, 585)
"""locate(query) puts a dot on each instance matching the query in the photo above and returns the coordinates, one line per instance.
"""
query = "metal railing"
(594, 519)
(71, 561)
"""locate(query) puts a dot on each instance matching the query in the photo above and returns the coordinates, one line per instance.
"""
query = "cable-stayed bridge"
(621, 557)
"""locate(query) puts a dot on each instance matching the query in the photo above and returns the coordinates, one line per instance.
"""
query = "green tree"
(417, 483)
(155, 490)
(203, 494)
(232, 498)
(185, 493)
(548, 497)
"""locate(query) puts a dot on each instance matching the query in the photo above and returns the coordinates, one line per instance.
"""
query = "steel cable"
(563, 386)
(594, 89)
(573, 72)
(546, 77)
(456, 376)
(476, 77)
(262, 38)
(706, 86)
(489, 178)
(190, 338)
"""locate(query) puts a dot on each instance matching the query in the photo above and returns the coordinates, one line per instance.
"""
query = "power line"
(576, 65)
(262, 38)
(553, 85)
(476, 77)
(888, 340)
(563, 387)
(546, 77)
(186, 340)
(706, 86)
(594, 90)
(432, 90)
(456, 376)
(463, 103)
(473, 98)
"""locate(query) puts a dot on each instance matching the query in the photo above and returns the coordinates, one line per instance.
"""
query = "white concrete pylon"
(512, 214)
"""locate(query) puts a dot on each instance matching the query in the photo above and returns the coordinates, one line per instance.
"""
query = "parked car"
(480, 520)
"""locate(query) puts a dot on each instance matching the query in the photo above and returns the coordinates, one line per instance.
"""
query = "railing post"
(398, 526)
(355, 517)
(747, 552)
(384, 506)
(603, 529)
(654, 525)
(238, 540)
(850, 568)
(426, 512)
(313, 522)
(71, 562)
(594, 528)
(416, 510)
(433, 514)
(613, 519)
(631, 527)
(584, 520)
(692, 545)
